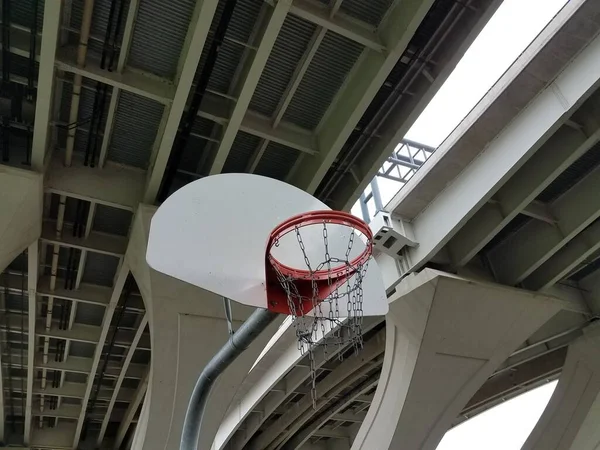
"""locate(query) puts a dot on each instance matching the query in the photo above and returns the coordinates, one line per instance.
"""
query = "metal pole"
(237, 343)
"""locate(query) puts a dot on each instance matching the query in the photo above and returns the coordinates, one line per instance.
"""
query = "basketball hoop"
(319, 269)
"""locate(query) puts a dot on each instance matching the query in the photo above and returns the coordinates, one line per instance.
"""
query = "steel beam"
(139, 395)
(96, 242)
(115, 185)
(476, 184)
(32, 276)
(132, 349)
(333, 413)
(130, 80)
(321, 15)
(45, 90)
(562, 149)
(293, 375)
(215, 109)
(106, 321)
(116, 92)
(363, 83)
(307, 57)
(188, 63)
(567, 259)
(247, 85)
(372, 349)
(518, 256)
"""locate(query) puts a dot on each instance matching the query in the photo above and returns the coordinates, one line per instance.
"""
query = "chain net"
(325, 329)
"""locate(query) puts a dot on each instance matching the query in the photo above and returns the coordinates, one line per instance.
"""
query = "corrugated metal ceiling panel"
(159, 34)
(277, 161)
(136, 124)
(112, 220)
(100, 269)
(21, 13)
(242, 150)
(287, 52)
(324, 77)
(196, 146)
(224, 69)
(370, 12)
(89, 314)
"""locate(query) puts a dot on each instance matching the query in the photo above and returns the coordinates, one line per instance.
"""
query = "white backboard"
(212, 233)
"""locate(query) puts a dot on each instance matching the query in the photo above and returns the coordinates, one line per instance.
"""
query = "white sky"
(509, 32)
(504, 427)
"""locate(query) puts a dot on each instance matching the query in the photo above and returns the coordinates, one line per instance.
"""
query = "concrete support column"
(21, 199)
(445, 337)
(187, 327)
(571, 421)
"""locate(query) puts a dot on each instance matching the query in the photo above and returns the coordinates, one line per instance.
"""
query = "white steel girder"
(251, 76)
(363, 83)
(562, 149)
(476, 184)
(186, 69)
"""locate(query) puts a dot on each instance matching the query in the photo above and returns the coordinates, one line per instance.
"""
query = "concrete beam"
(445, 337)
(439, 57)
(362, 85)
(181, 315)
(188, 63)
(536, 242)
(571, 417)
(476, 184)
(251, 75)
(21, 204)
(45, 87)
(560, 150)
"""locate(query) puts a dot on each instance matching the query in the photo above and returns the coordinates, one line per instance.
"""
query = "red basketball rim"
(320, 217)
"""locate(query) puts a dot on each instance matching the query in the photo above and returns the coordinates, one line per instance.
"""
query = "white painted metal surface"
(213, 233)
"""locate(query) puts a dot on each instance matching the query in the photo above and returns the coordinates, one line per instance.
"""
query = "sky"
(505, 37)
(508, 33)
(504, 427)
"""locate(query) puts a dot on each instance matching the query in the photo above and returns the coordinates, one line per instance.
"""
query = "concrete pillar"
(21, 200)
(445, 337)
(187, 327)
(571, 421)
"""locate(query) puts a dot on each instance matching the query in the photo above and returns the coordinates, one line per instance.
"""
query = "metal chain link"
(306, 328)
